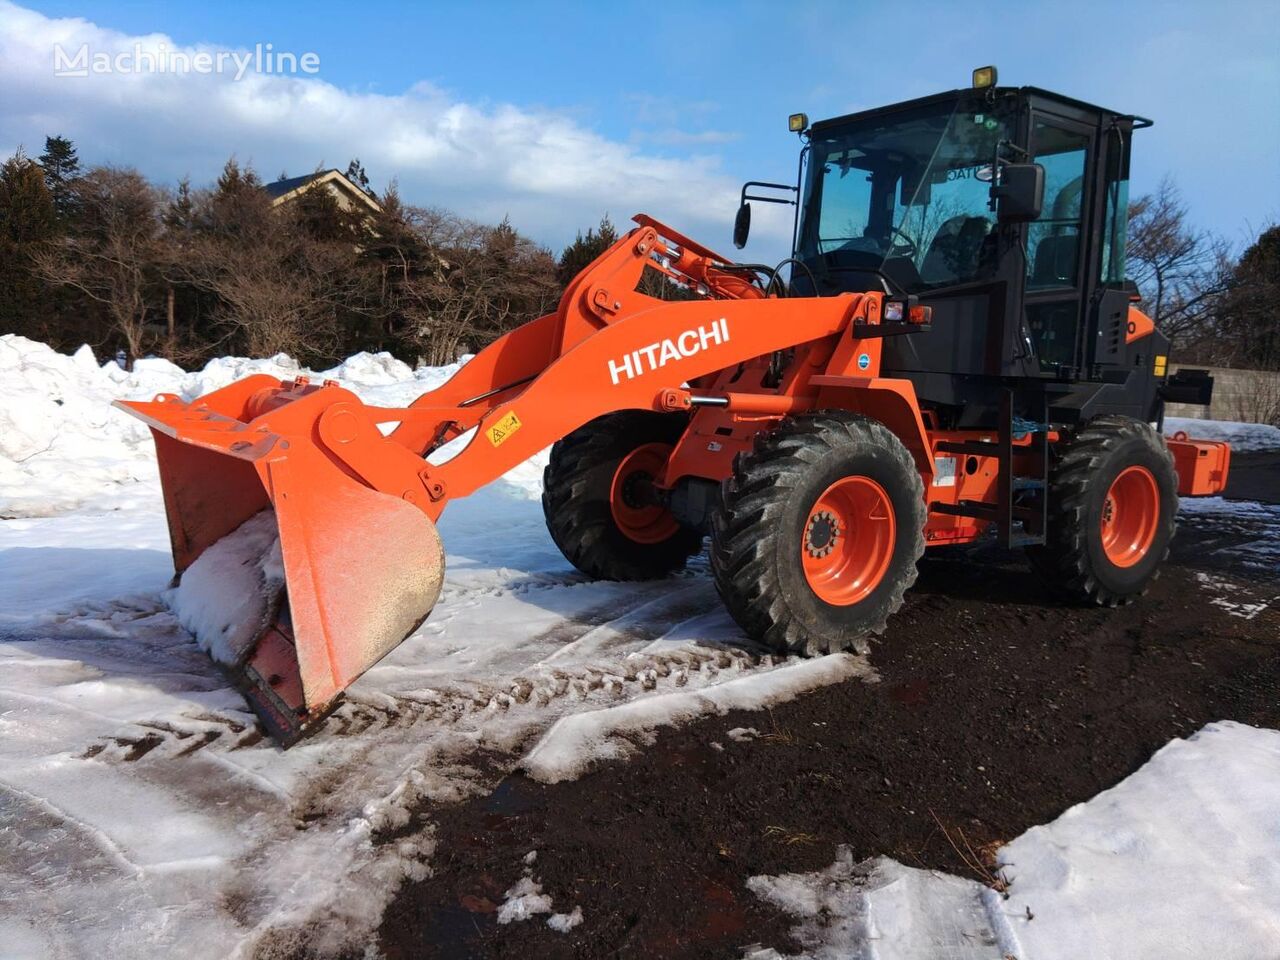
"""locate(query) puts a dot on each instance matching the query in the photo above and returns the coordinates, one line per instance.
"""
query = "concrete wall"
(1252, 396)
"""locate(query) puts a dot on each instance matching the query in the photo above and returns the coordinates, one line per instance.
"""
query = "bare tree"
(279, 291)
(471, 284)
(111, 256)
(1181, 272)
(277, 283)
(1259, 401)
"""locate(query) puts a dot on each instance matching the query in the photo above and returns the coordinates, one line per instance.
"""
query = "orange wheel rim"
(1130, 516)
(847, 542)
(642, 522)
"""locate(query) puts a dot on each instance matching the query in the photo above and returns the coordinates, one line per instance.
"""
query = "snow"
(881, 910)
(1239, 599)
(576, 742)
(229, 596)
(1243, 437)
(523, 901)
(141, 813)
(1249, 531)
(1180, 861)
(564, 922)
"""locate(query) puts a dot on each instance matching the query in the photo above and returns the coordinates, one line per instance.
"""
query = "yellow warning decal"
(1161, 362)
(503, 429)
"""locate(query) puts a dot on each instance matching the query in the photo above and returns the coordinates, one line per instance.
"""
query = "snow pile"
(1180, 861)
(230, 595)
(577, 741)
(371, 370)
(1243, 437)
(63, 445)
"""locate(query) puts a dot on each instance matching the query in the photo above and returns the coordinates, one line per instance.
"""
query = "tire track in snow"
(109, 847)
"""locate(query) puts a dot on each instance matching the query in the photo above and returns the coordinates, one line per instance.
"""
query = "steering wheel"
(907, 248)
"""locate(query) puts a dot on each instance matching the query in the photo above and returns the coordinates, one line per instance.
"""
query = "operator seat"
(955, 251)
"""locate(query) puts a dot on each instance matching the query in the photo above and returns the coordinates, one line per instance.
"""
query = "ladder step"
(973, 448)
(981, 511)
(1026, 483)
(1025, 540)
(967, 508)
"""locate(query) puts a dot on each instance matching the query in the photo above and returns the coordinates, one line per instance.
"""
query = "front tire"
(818, 533)
(1113, 496)
(592, 504)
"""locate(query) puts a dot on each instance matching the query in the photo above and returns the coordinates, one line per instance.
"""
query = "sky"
(556, 113)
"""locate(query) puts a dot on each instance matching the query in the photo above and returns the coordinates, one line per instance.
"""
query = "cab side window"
(1053, 241)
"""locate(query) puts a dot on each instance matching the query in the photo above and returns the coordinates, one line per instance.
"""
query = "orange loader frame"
(335, 469)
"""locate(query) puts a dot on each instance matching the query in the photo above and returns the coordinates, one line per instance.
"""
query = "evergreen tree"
(27, 221)
(238, 206)
(356, 174)
(61, 166)
(583, 250)
(180, 213)
(1248, 317)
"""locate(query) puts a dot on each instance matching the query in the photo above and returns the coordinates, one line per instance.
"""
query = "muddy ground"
(998, 708)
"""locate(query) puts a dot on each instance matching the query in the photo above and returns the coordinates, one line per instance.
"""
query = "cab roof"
(950, 95)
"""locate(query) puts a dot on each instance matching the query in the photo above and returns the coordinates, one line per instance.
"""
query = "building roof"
(281, 191)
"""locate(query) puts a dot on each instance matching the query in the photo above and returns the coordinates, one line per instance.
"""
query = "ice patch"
(230, 595)
(576, 741)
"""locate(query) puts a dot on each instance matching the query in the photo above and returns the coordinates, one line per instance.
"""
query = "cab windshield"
(904, 196)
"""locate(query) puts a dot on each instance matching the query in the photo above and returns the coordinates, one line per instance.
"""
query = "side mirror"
(742, 225)
(1019, 195)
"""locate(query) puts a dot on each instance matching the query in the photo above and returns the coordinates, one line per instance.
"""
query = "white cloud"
(552, 175)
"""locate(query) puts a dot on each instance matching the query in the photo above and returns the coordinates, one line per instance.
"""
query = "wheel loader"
(950, 352)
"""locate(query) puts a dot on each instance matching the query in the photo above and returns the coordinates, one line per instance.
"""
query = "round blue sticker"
(864, 361)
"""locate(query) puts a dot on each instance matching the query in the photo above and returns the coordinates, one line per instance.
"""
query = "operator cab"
(1002, 209)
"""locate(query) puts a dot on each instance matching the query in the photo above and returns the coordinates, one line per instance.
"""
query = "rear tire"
(818, 533)
(1113, 496)
(585, 498)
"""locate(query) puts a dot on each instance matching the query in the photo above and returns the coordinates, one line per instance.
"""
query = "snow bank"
(1243, 437)
(1180, 861)
(576, 741)
(62, 444)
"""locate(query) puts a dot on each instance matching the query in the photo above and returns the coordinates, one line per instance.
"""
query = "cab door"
(1057, 253)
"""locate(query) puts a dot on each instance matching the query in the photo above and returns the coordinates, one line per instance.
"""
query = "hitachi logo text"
(655, 355)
